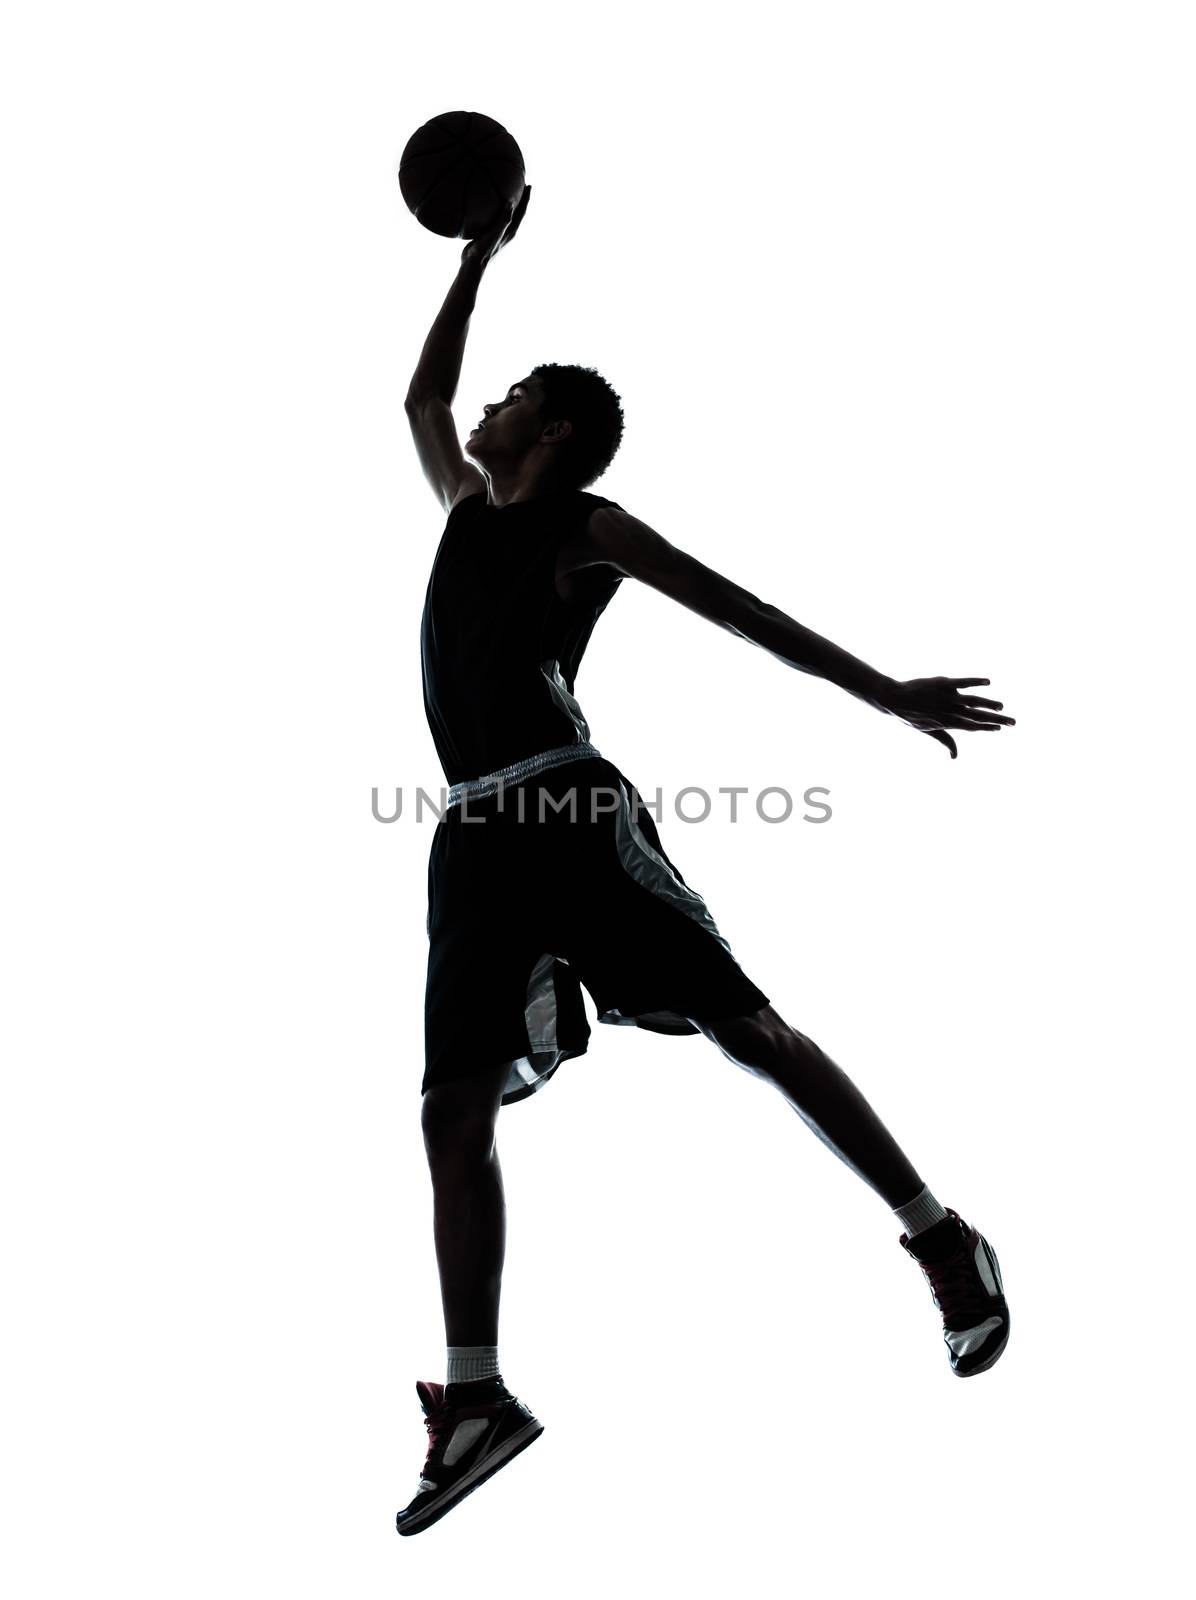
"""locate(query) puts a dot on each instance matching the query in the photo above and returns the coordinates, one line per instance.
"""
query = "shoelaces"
(436, 1423)
(954, 1283)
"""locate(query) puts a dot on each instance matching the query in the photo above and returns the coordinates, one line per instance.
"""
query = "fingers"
(517, 211)
(969, 683)
(944, 738)
(971, 704)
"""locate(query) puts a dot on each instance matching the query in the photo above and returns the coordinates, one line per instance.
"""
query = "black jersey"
(500, 647)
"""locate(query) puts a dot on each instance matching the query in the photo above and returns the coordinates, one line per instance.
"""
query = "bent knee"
(759, 1039)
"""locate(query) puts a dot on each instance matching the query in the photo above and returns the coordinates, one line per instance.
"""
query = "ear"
(555, 432)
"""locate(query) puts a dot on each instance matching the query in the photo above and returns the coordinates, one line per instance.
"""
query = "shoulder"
(589, 533)
(580, 558)
(599, 530)
(615, 539)
(467, 506)
(469, 491)
(612, 536)
(593, 504)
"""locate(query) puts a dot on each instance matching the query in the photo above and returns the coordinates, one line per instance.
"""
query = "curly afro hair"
(582, 397)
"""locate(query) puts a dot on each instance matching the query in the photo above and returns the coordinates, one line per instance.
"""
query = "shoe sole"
(990, 1360)
(476, 1476)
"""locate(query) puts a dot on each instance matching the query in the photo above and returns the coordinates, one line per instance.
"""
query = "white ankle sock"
(920, 1213)
(469, 1361)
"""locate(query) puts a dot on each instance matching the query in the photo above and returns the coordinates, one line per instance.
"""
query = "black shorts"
(522, 912)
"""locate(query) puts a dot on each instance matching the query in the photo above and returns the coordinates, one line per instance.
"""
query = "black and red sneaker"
(961, 1268)
(473, 1429)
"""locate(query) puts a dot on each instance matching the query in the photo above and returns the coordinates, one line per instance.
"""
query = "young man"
(547, 873)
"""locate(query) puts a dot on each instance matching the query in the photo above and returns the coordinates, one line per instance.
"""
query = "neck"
(525, 483)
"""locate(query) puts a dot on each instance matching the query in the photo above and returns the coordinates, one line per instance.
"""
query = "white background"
(898, 299)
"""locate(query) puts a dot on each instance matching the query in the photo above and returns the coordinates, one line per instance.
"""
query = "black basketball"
(460, 172)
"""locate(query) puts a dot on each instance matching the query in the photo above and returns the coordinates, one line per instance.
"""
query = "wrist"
(471, 269)
(876, 689)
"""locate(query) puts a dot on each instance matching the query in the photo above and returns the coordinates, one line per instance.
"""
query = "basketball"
(459, 173)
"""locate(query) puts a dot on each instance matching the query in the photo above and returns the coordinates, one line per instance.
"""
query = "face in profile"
(508, 429)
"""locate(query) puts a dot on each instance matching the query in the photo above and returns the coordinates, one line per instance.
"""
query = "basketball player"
(547, 872)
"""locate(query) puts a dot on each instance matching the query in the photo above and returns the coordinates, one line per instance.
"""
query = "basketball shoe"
(961, 1268)
(473, 1430)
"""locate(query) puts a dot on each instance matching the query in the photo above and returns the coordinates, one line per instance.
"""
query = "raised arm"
(932, 705)
(434, 382)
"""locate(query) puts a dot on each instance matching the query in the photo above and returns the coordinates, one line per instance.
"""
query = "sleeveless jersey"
(500, 647)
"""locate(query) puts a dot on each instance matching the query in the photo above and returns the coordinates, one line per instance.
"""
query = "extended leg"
(958, 1262)
(469, 1209)
(822, 1095)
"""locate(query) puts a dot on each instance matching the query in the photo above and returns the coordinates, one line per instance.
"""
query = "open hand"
(486, 246)
(933, 705)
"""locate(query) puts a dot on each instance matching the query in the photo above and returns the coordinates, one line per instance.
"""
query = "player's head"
(582, 398)
(569, 416)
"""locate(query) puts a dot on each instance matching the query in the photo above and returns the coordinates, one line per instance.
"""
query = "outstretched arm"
(932, 705)
(434, 381)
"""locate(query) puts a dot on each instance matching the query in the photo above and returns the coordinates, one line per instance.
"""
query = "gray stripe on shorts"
(540, 1010)
(649, 868)
(522, 1072)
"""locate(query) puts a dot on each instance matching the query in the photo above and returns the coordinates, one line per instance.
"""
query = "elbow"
(738, 612)
(753, 614)
(420, 395)
(755, 620)
(742, 622)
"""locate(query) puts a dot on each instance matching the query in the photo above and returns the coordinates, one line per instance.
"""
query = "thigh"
(482, 957)
(641, 938)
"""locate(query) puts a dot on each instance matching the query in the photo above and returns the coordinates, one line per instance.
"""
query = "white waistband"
(479, 788)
